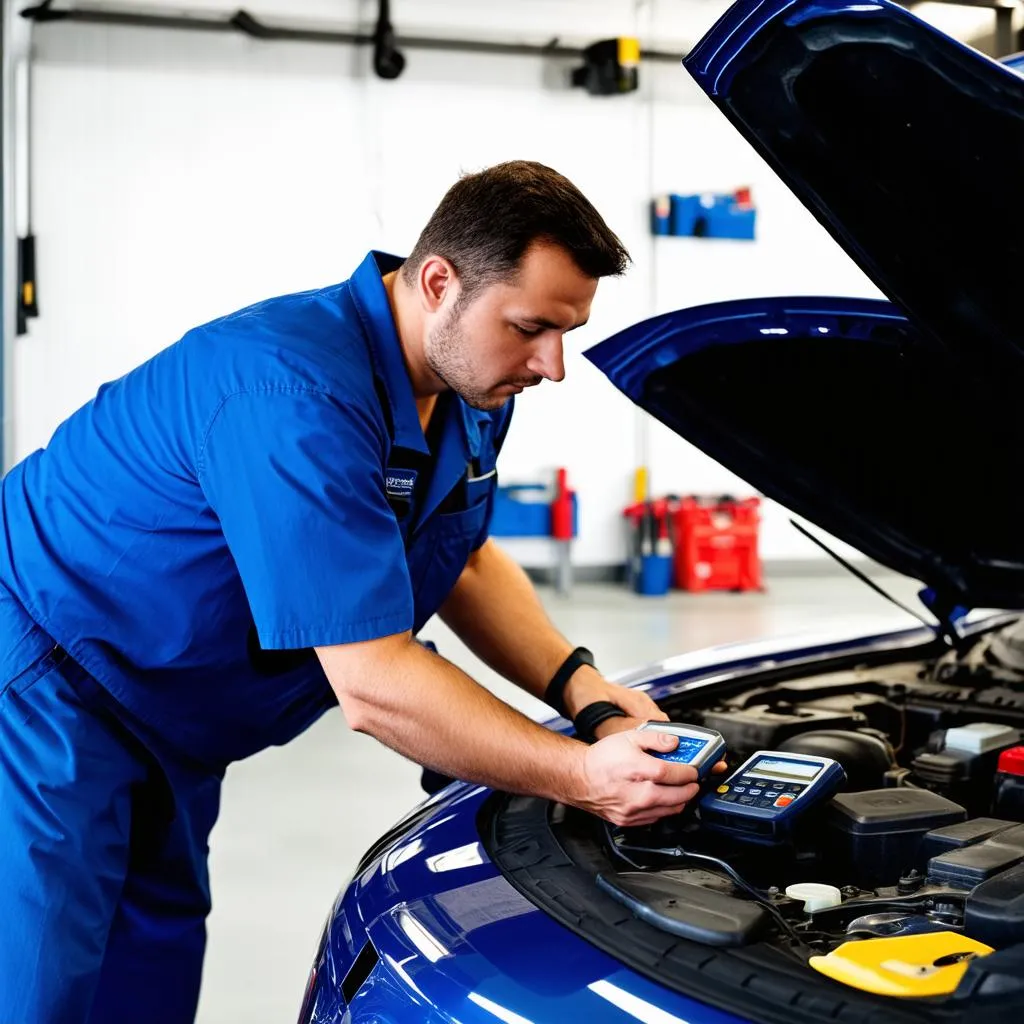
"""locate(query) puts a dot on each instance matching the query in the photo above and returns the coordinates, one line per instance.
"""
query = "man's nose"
(547, 360)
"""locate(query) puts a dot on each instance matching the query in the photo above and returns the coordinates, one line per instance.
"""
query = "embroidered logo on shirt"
(398, 484)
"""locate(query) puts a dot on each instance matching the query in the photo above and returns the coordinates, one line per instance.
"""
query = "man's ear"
(435, 281)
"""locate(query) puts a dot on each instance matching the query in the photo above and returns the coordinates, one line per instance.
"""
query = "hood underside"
(841, 411)
(892, 426)
(904, 143)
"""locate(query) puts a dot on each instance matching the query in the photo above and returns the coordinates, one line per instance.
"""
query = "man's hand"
(588, 685)
(625, 785)
(467, 733)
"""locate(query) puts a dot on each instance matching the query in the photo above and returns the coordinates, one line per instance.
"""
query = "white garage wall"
(178, 176)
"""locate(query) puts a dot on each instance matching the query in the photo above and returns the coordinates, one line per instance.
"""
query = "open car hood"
(893, 426)
(904, 143)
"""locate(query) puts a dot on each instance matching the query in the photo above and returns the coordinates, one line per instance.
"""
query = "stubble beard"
(448, 357)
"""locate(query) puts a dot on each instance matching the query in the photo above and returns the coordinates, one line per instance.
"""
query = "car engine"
(927, 833)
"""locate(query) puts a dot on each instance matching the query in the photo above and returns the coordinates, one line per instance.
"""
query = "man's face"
(509, 335)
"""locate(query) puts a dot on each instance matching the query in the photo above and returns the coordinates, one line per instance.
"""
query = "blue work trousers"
(104, 889)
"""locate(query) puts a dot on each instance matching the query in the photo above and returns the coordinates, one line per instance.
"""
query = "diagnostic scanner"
(703, 748)
(765, 797)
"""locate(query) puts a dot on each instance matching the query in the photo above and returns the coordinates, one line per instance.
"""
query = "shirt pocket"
(40, 665)
(439, 555)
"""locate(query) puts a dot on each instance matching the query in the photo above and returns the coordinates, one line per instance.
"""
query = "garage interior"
(171, 164)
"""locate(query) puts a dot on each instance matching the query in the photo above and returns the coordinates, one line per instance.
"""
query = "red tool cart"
(717, 544)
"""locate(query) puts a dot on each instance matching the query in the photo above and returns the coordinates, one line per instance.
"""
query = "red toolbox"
(717, 544)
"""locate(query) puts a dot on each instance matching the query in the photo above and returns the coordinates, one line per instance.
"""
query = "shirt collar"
(471, 421)
(371, 300)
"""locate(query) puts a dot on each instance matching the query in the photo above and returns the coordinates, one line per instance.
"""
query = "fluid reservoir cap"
(981, 737)
(815, 895)
(1012, 761)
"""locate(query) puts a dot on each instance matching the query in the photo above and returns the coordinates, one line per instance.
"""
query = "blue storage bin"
(685, 212)
(661, 215)
(729, 220)
(655, 576)
(513, 517)
(704, 216)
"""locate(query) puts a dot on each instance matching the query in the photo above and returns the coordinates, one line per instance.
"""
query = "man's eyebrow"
(540, 321)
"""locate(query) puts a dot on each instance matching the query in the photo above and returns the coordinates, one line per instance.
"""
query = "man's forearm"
(427, 709)
(424, 707)
(495, 610)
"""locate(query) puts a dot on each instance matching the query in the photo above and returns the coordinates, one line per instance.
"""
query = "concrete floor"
(296, 819)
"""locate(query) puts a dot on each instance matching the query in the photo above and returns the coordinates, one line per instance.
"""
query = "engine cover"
(763, 728)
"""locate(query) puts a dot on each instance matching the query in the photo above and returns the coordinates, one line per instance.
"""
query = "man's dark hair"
(487, 221)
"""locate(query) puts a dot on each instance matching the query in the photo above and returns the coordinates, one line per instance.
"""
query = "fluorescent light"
(399, 968)
(462, 857)
(432, 948)
(498, 1010)
(400, 855)
(640, 1009)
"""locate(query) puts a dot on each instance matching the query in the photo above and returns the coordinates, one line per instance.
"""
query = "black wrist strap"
(592, 716)
(555, 689)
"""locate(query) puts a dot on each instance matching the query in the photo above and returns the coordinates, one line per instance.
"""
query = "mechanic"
(251, 527)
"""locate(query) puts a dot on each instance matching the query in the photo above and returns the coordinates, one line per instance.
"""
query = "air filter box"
(874, 837)
(972, 865)
(762, 728)
(967, 833)
(994, 910)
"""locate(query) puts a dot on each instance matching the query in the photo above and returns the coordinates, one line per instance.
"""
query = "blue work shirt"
(261, 487)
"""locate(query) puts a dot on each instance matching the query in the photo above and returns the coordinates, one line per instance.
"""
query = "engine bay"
(925, 836)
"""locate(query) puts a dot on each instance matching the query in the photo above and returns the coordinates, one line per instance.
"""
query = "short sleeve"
(296, 479)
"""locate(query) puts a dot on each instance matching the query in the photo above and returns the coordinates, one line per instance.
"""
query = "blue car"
(897, 426)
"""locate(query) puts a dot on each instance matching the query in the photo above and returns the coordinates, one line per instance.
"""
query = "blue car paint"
(458, 943)
(846, 101)
(723, 50)
(629, 357)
